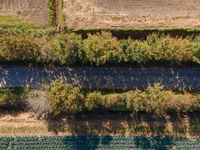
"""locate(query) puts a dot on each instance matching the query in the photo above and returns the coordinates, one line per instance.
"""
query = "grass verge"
(106, 123)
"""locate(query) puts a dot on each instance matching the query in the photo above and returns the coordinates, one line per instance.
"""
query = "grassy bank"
(101, 123)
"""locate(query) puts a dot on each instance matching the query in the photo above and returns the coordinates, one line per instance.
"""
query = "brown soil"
(131, 13)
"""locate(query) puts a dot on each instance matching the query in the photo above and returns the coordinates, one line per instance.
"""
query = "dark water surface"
(103, 77)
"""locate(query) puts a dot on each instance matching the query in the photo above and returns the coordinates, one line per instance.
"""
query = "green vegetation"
(60, 98)
(9, 22)
(63, 49)
(158, 49)
(66, 98)
(56, 16)
(12, 97)
(102, 48)
(19, 48)
(15, 26)
(98, 49)
(23, 42)
(52, 13)
(154, 100)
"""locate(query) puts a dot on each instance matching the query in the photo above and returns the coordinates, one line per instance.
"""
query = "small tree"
(64, 98)
(102, 48)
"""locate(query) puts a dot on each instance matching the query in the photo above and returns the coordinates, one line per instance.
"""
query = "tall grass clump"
(37, 101)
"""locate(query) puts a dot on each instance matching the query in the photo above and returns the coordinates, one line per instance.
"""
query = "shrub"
(12, 98)
(64, 98)
(37, 101)
(64, 49)
(136, 51)
(60, 97)
(94, 101)
(152, 100)
(169, 49)
(102, 48)
(158, 49)
(20, 47)
(196, 49)
(175, 50)
(114, 100)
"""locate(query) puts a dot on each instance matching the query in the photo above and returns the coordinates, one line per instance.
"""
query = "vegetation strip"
(59, 98)
(99, 49)
(24, 42)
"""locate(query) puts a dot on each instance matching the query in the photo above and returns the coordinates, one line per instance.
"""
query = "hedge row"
(154, 99)
(141, 33)
(98, 49)
(58, 98)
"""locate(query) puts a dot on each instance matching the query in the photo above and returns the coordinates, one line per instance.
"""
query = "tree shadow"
(146, 130)
(11, 112)
(194, 124)
(179, 123)
(157, 143)
(185, 124)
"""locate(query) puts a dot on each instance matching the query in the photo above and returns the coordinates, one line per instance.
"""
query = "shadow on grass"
(124, 123)
(157, 132)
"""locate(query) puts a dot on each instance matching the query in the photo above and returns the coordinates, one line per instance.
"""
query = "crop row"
(97, 142)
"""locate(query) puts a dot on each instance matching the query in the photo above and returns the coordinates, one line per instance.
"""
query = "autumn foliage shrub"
(64, 98)
(170, 49)
(154, 99)
(94, 101)
(20, 47)
(102, 48)
(98, 49)
(64, 49)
